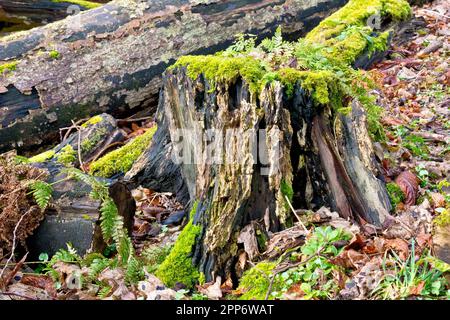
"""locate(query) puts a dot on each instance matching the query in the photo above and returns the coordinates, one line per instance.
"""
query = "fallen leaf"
(409, 184)
(417, 290)
(400, 246)
(350, 259)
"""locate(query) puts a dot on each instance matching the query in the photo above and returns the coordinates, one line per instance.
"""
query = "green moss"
(255, 281)
(92, 121)
(286, 189)
(224, 69)
(396, 194)
(178, 266)
(54, 54)
(44, 156)
(82, 3)
(122, 159)
(8, 67)
(88, 144)
(66, 156)
(443, 219)
(356, 13)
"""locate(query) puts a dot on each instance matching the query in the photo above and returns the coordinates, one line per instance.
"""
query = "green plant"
(42, 193)
(154, 256)
(417, 146)
(423, 175)
(403, 279)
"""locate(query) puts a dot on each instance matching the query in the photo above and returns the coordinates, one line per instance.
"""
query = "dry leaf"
(409, 184)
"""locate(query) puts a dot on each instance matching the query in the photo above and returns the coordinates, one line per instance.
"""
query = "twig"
(298, 218)
(436, 13)
(137, 119)
(13, 244)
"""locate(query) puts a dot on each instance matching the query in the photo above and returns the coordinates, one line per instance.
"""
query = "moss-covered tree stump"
(253, 131)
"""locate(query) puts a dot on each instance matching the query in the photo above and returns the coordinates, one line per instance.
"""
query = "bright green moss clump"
(356, 13)
(224, 69)
(67, 155)
(443, 219)
(9, 66)
(178, 267)
(122, 159)
(255, 281)
(82, 3)
(396, 194)
(54, 54)
(44, 156)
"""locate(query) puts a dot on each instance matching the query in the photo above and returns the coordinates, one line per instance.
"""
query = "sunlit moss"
(9, 66)
(178, 266)
(122, 159)
(82, 3)
(67, 155)
(44, 156)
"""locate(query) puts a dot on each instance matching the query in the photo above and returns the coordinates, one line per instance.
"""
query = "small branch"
(79, 147)
(298, 218)
(13, 244)
(17, 295)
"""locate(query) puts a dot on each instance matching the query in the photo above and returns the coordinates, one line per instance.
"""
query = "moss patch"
(67, 155)
(8, 67)
(92, 121)
(82, 3)
(255, 281)
(224, 69)
(396, 194)
(443, 219)
(178, 267)
(44, 156)
(122, 159)
(88, 144)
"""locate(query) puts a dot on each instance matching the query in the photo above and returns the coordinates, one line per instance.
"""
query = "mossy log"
(292, 145)
(73, 216)
(25, 14)
(110, 59)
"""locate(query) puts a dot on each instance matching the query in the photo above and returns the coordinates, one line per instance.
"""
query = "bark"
(247, 187)
(111, 58)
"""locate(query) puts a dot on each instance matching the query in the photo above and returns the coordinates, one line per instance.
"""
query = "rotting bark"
(309, 154)
(110, 59)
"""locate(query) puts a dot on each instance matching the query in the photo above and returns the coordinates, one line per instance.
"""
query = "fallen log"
(24, 14)
(246, 137)
(110, 59)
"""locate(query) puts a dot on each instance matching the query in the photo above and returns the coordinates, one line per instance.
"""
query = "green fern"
(68, 256)
(104, 292)
(134, 272)
(42, 193)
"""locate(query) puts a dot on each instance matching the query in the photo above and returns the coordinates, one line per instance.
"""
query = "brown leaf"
(437, 199)
(398, 245)
(416, 291)
(40, 281)
(409, 184)
(350, 259)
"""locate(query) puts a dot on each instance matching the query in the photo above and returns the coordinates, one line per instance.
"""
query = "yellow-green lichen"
(443, 218)
(8, 67)
(255, 282)
(82, 3)
(218, 69)
(178, 266)
(66, 156)
(92, 121)
(122, 159)
(44, 156)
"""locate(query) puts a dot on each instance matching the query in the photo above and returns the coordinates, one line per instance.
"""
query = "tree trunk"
(110, 59)
(244, 155)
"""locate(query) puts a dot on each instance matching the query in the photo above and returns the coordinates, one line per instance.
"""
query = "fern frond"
(134, 272)
(104, 292)
(42, 193)
(125, 248)
(108, 219)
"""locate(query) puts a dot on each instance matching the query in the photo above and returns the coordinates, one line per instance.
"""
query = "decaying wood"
(73, 216)
(111, 58)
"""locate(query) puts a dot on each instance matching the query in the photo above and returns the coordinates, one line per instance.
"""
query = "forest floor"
(339, 260)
